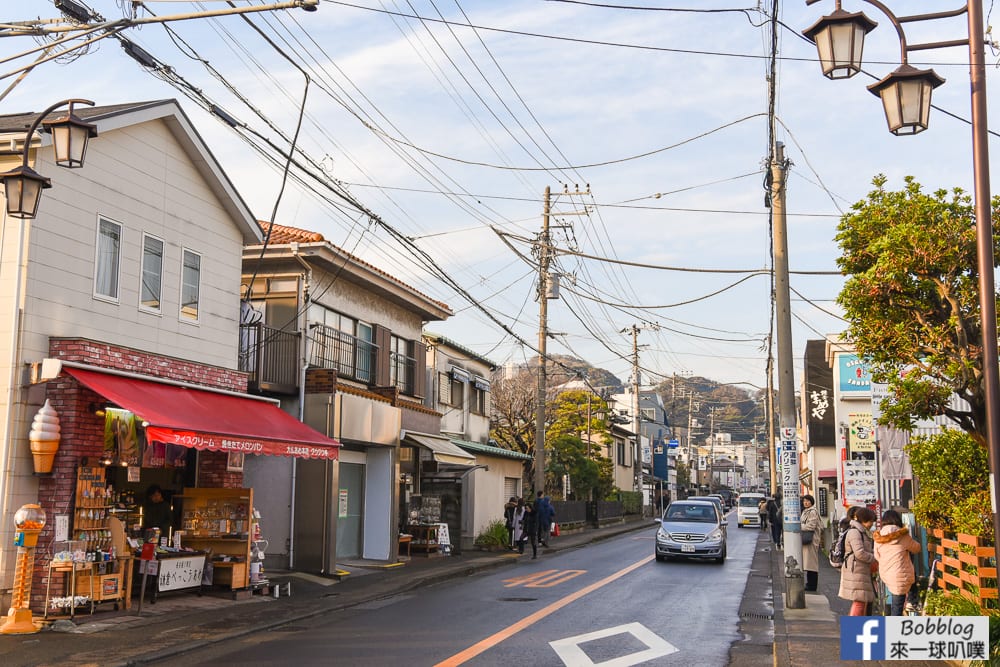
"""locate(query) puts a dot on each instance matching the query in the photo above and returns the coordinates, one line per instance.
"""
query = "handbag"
(807, 537)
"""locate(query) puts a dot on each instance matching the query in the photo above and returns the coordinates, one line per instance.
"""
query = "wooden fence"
(965, 564)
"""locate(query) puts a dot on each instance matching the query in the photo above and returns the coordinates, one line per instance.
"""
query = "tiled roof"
(20, 122)
(283, 235)
(438, 338)
(490, 450)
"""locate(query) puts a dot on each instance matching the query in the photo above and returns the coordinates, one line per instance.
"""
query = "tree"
(512, 414)
(911, 300)
(954, 483)
(576, 433)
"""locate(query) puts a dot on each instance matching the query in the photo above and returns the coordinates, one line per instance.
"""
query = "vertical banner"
(861, 436)
(790, 484)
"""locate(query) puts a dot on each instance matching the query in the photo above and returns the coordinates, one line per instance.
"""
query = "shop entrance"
(350, 510)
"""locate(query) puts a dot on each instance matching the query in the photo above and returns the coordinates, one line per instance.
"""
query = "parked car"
(691, 529)
(715, 500)
(746, 510)
(722, 499)
(729, 496)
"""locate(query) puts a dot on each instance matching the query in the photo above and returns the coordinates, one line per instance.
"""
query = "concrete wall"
(485, 499)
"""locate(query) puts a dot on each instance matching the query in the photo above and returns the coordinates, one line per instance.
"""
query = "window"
(621, 453)
(401, 364)
(151, 280)
(190, 286)
(108, 259)
(478, 401)
(649, 414)
(342, 343)
(444, 388)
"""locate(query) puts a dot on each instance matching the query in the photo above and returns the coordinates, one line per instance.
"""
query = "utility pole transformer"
(792, 537)
(543, 335)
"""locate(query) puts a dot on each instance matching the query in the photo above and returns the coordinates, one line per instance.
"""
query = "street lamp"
(23, 185)
(912, 90)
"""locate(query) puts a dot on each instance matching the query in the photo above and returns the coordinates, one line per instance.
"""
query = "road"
(610, 601)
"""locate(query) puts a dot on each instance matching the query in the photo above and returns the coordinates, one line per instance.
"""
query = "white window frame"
(111, 298)
(142, 275)
(180, 305)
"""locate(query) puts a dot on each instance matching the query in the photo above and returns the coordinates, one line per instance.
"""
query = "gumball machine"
(28, 523)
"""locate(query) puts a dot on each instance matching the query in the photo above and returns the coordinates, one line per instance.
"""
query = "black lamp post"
(23, 185)
(906, 97)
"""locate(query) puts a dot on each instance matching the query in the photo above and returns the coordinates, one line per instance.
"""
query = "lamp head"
(840, 40)
(906, 98)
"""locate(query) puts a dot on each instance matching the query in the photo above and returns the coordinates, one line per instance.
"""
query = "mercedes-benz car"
(691, 529)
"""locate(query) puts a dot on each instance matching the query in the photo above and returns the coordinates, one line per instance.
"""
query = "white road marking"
(572, 655)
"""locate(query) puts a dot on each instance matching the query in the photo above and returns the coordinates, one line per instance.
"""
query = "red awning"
(205, 419)
(827, 473)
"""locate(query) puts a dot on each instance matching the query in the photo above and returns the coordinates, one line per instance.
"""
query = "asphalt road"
(610, 601)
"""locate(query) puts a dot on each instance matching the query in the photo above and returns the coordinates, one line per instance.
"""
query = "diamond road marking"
(572, 655)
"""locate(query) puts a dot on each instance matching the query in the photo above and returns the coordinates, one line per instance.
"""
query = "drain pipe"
(304, 287)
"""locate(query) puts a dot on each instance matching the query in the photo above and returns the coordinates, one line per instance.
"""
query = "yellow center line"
(511, 630)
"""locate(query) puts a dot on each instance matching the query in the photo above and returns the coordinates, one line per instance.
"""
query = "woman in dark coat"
(529, 531)
(508, 519)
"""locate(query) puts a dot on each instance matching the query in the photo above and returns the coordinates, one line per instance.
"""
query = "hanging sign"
(861, 436)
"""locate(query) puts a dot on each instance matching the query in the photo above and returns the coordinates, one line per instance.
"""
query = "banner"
(861, 436)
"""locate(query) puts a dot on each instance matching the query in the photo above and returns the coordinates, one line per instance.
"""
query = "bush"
(943, 603)
(953, 471)
(494, 535)
(631, 501)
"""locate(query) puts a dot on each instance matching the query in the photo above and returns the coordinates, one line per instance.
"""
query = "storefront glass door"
(350, 510)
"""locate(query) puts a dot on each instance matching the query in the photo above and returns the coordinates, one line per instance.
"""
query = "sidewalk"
(183, 622)
(810, 637)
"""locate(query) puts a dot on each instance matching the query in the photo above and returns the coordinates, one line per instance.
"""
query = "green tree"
(576, 435)
(911, 300)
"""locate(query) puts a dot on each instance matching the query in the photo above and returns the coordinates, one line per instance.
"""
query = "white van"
(746, 509)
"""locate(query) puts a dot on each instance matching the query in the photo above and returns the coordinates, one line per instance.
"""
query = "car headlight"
(661, 535)
(715, 535)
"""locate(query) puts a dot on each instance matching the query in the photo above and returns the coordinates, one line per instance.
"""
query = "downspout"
(304, 286)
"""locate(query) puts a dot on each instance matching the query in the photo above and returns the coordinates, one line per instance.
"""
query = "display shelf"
(425, 538)
(92, 508)
(218, 521)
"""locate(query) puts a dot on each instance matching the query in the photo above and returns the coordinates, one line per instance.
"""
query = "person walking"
(774, 517)
(518, 535)
(530, 531)
(762, 513)
(893, 546)
(544, 513)
(811, 522)
(508, 520)
(856, 582)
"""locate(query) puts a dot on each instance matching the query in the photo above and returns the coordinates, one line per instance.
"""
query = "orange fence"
(965, 566)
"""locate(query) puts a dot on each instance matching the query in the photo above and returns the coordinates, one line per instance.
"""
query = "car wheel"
(661, 559)
(739, 525)
(721, 559)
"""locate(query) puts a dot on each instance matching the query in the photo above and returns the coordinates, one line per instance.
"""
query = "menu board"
(860, 482)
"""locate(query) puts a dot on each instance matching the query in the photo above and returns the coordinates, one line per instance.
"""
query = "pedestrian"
(856, 582)
(774, 517)
(544, 514)
(529, 531)
(508, 520)
(519, 511)
(811, 523)
(762, 513)
(893, 546)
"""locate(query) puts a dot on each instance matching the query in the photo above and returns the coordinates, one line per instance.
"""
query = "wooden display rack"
(219, 521)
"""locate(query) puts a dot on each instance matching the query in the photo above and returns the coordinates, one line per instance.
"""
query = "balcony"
(352, 357)
(270, 357)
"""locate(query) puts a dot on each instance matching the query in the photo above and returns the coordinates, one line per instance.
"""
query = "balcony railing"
(269, 355)
(350, 356)
(402, 372)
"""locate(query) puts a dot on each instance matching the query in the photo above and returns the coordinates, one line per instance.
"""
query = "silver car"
(691, 529)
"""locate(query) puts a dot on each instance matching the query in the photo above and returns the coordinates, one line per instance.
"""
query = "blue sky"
(450, 133)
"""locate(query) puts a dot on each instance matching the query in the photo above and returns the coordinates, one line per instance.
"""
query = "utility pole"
(772, 459)
(792, 538)
(636, 417)
(543, 336)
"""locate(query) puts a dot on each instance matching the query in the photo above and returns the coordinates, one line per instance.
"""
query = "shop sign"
(854, 375)
(861, 436)
(342, 505)
(178, 573)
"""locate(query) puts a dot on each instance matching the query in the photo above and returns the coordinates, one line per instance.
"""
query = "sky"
(448, 119)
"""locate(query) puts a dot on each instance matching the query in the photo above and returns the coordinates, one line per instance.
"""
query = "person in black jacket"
(508, 519)
(529, 531)
(774, 517)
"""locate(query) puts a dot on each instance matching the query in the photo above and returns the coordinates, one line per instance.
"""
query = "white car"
(746, 510)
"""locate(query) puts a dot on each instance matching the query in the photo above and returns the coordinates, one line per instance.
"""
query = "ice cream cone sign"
(44, 438)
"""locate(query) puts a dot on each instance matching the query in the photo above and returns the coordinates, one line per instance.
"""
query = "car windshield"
(749, 501)
(690, 512)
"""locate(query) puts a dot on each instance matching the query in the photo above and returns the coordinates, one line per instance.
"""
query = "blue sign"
(855, 377)
(673, 443)
(661, 464)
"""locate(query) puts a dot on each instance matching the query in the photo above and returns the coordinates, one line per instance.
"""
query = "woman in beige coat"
(859, 560)
(893, 546)
(810, 552)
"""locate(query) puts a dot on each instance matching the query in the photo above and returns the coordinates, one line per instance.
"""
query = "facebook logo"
(862, 638)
